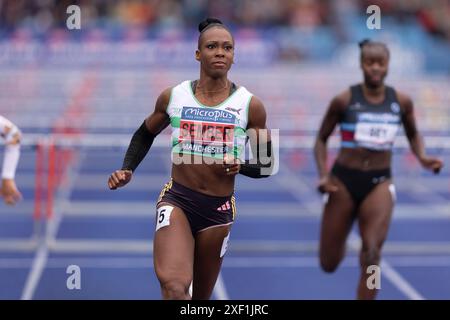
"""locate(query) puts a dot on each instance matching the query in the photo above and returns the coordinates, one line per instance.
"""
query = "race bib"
(377, 134)
(163, 216)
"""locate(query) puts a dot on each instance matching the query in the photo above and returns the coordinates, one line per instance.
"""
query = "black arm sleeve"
(140, 143)
(254, 170)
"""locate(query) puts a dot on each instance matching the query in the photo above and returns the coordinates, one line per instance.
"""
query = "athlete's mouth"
(376, 76)
(219, 64)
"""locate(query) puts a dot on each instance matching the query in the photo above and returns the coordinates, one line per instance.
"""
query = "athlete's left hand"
(231, 165)
(431, 163)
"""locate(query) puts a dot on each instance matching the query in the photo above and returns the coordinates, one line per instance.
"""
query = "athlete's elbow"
(257, 171)
(320, 143)
(15, 139)
(267, 170)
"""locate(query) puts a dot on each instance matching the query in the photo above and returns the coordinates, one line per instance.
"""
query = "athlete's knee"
(329, 262)
(370, 255)
(330, 258)
(328, 266)
(175, 289)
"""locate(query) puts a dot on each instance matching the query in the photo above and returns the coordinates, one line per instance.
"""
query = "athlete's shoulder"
(242, 96)
(166, 93)
(164, 99)
(344, 96)
(256, 107)
(404, 100)
(256, 104)
(182, 88)
(403, 97)
(341, 100)
(4, 122)
(3, 119)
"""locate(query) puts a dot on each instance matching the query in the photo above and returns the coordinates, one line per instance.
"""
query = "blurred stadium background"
(78, 95)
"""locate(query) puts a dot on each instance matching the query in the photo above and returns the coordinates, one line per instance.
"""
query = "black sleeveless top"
(367, 125)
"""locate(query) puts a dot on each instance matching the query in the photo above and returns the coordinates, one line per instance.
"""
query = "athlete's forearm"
(263, 164)
(417, 145)
(139, 146)
(11, 134)
(320, 155)
(10, 161)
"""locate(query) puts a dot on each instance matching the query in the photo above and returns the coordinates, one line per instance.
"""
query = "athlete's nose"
(220, 52)
(376, 66)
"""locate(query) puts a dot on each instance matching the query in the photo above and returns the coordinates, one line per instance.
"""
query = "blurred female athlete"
(359, 185)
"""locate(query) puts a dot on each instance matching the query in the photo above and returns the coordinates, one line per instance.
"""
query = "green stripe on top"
(238, 131)
(175, 122)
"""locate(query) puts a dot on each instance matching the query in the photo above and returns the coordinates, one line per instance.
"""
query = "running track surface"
(273, 248)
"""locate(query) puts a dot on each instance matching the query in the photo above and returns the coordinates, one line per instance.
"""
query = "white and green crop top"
(208, 131)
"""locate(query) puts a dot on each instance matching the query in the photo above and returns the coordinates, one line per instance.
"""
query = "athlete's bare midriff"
(364, 159)
(205, 178)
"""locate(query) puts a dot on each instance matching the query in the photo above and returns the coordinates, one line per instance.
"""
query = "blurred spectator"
(41, 15)
(52, 13)
(433, 15)
(300, 29)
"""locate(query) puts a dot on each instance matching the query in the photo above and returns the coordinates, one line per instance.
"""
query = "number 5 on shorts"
(163, 216)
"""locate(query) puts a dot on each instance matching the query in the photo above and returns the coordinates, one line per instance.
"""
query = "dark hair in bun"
(208, 23)
(363, 42)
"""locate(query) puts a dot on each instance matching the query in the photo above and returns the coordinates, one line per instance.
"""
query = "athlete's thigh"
(337, 218)
(210, 247)
(173, 246)
(375, 213)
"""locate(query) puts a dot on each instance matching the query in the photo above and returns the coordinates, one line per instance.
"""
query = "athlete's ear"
(197, 55)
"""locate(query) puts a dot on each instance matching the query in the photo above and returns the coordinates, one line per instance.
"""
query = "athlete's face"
(374, 63)
(215, 51)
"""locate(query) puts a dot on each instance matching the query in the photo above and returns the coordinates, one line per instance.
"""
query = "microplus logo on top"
(378, 117)
(207, 115)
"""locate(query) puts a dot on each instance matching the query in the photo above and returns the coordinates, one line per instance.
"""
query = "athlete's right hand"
(119, 178)
(8, 190)
(326, 186)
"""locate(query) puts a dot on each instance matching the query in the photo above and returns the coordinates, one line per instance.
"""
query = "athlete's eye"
(210, 46)
(370, 61)
(228, 48)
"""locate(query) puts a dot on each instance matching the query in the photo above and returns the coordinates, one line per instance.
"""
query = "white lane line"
(400, 282)
(35, 273)
(390, 273)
